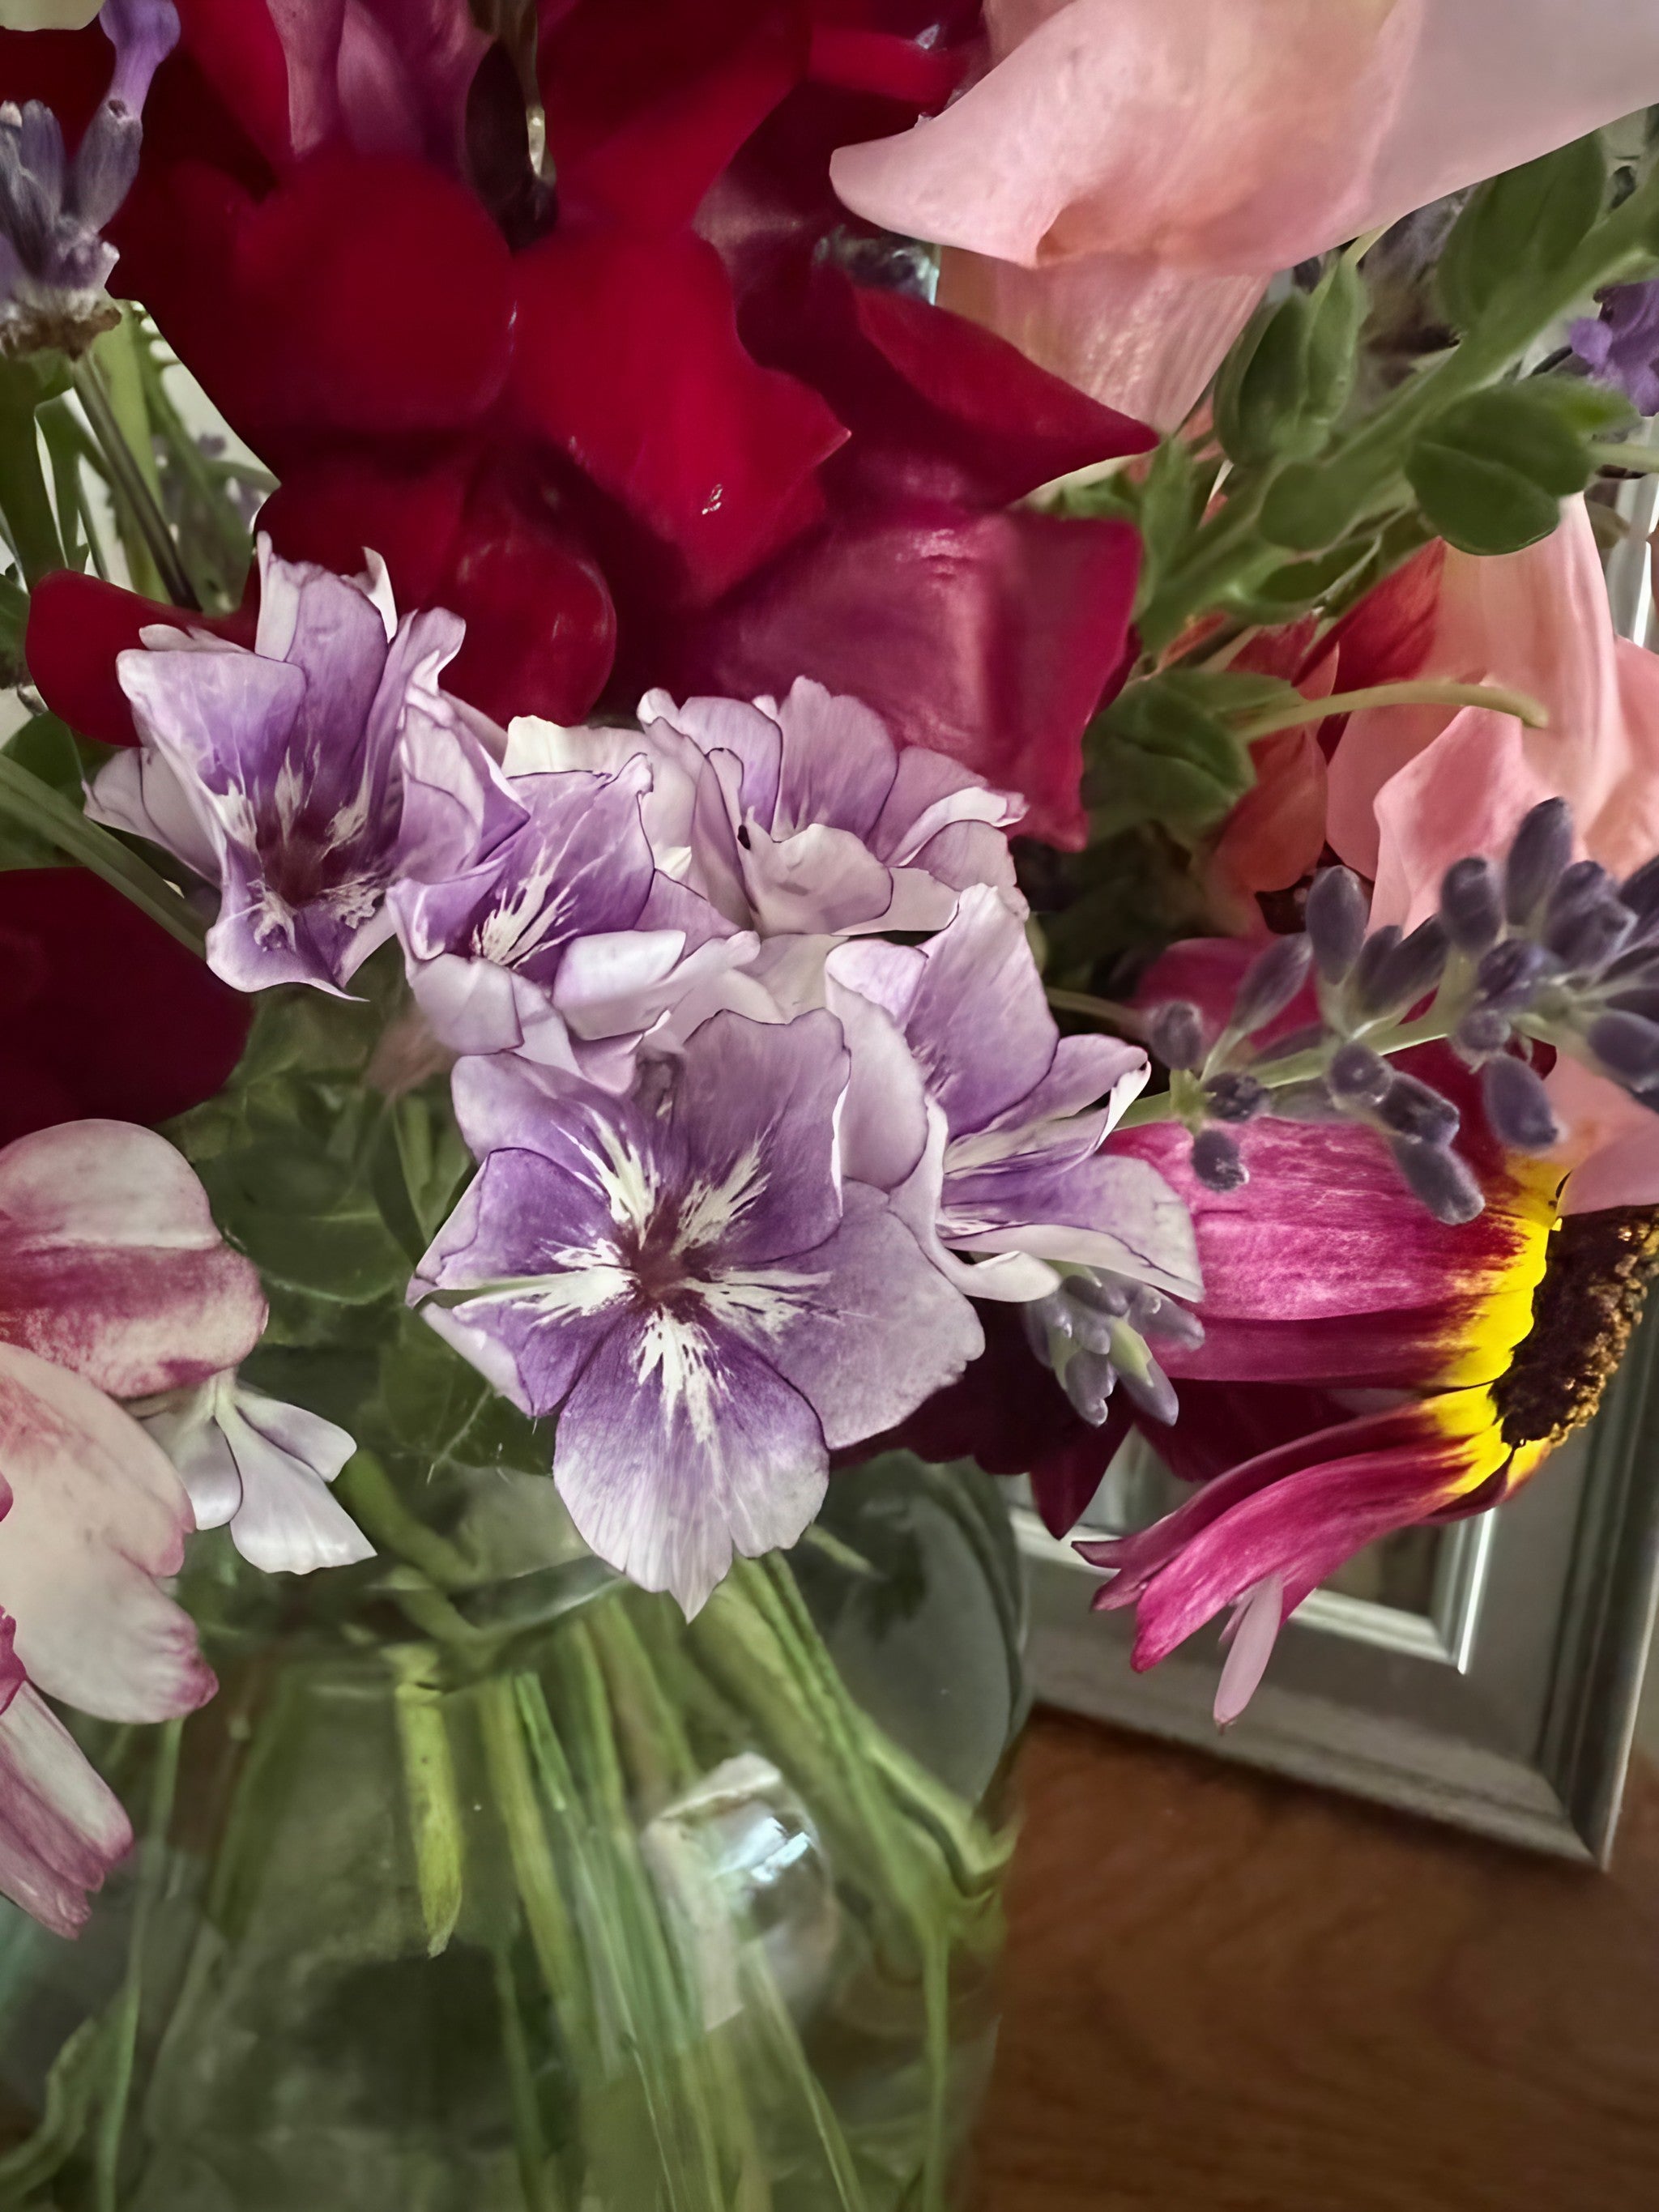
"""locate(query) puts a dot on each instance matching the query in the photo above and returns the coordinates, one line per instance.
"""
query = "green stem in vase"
(123, 2030)
(533, 2167)
(429, 1793)
(135, 495)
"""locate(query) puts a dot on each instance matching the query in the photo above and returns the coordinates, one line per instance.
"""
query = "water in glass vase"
(489, 1891)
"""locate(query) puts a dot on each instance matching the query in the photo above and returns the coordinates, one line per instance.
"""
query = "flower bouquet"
(764, 758)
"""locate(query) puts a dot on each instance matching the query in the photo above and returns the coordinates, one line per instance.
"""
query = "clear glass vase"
(489, 1891)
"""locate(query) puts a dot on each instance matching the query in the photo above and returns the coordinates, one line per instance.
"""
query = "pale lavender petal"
(201, 1455)
(98, 1518)
(136, 791)
(978, 1022)
(1091, 1213)
(965, 853)
(111, 1264)
(1249, 1635)
(62, 1828)
(289, 1522)
(930, 793)
(681, 1445)
(754, 1108)
(879, 1329)
(821, 878)
(839, 763)
(473, 1005)
(748, 734)
(884, 1120)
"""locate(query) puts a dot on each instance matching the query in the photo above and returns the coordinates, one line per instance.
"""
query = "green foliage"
(1288, 378)
(1520, 230)
(1490, 472)
(1163, 751)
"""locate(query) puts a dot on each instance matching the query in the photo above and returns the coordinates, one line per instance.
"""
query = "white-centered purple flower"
(262, 1468)
(276, 772)
(1621, 346)
(683, 1275)
(540, 923)
(968, 1105)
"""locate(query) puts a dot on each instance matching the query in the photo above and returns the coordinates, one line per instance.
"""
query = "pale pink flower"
(113, 1280)
(1413, 789)
(1137, 169)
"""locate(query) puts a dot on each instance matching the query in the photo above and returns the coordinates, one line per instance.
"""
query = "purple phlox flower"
(808, 820)
(263, 1468)
(538, 922)
(968, 1105)
(54, 262)
(1621, 347)
(276, 772)
(684, 1276)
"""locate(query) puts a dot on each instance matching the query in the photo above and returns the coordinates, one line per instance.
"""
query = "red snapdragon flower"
(630, 437)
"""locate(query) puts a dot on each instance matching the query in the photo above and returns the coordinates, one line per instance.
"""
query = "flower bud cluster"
(1093, 1333)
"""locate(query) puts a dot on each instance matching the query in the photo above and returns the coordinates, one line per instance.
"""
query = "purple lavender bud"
(1335, 918)
(1273, 980)
(143, 32)
(1643, 1000)
(1541, 849)
(1471, 907)
(106, 163)
(1622, 348)
(1087, 1382)
(1518, 1105)
(1583, 939)
(1152, 1314)
(1037, 1319)
(1410, 1108)
(1175, 1034)
(1508, 977)
(1482, 1032)
(1439, 1179)
(1627, 1046)
(1093, 1331)
(1233, 1095)
(1100, 1292)
(1640, 891)
(1358, 1075)
(1152, 1391)
(1410, 970)
(1378, 947)
(1216, 1161)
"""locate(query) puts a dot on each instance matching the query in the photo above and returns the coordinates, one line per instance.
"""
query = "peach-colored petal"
(111, 1264)
(1464, 793)
(1276, 833)
(1610, 1141)
(98, 1518)
(1210, 133)
(1538, 622)
(1136, 334)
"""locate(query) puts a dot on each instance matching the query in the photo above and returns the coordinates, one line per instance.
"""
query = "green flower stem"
(124, 2021)
(1225, 554)
(551, 1935)
(1645, 459)
(1110, 1011)
(51, 816)
(1307, 1066)
(128, 477)
(521, 2088)
(1496, 698)
(366, 1492)
(429, 1792)
(30, 522)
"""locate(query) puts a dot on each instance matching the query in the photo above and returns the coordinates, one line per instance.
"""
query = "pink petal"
(1278, 108)
(1611, 1141)
(1137, 335)
(98, 1517)
(1465, 794)
(61, 1827)
(110, 1262)
(1249, 1636)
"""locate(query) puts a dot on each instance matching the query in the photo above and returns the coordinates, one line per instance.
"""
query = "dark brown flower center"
(1595, 1279)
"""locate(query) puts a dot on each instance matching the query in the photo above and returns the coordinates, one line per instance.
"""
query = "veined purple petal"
(680, 1445)
(1091, 1213)
(978, 1022)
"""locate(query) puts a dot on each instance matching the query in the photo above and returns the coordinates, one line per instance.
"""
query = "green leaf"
(1492, 471)
(1161, 753)
(48, 814)
(1313, 506)
(1289, 377)
(1301, 585)
(1521, 229)
(303, 1219)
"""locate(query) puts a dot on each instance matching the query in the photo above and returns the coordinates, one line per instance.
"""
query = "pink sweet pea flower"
(1131, 171)
(1413, 789)
(114, 1281)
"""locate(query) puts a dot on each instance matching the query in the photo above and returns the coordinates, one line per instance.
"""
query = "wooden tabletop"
(1229, 1993)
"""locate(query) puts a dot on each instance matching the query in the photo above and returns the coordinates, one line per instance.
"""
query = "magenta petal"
(61, 1827)
(111, 1264)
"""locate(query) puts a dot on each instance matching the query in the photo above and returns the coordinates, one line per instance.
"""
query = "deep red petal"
(68, 70)
(652, 169)
(855, 60)
(1386, 638)
(122, 1023)
(989, 637)
(936, 405)
(344, 502)
(77, 626)
(627, 361)
(235, 46)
